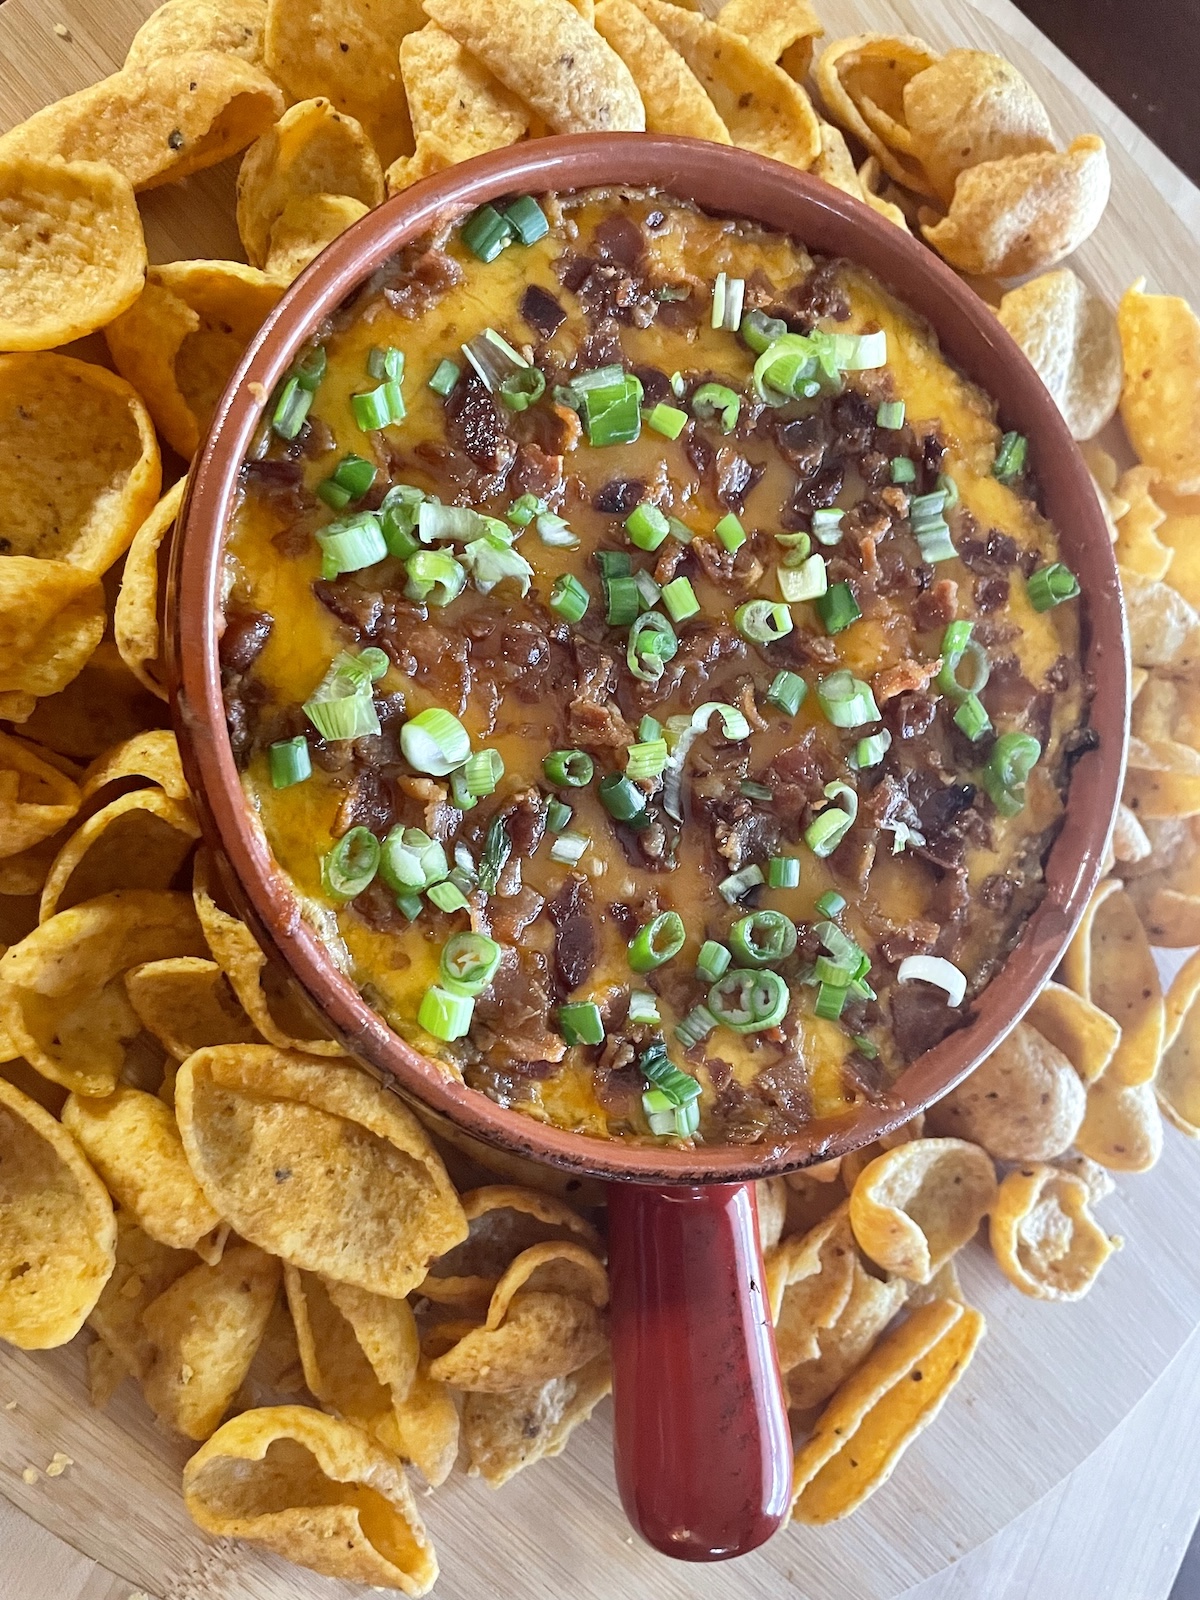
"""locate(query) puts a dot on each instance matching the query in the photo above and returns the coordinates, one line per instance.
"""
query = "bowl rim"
(732, 182)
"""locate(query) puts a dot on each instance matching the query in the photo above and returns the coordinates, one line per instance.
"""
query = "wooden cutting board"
(1049, 1383)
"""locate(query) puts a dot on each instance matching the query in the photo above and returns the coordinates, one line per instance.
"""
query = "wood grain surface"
(1050, 1382)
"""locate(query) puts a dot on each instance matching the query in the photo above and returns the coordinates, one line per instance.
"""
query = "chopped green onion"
(827, 830)
(355, 474)
(581, 1023)
(827, 970)
(647, 527)
(447, 897)
(903, 470)
(334, 496)
(378, 408)
(659, 941)
(289, 762)
(797, 548)
(445, 377)
(729, 296)
(758, 330)
(436, 521)
(680, 599)
(527, 219)
(840, 945)
(411, 905)
(351, 865)
(497, 847)
(469, 962)
(434, 741)
(972, 718)
(1013, 758)
(787, 692)
(846, 700)
(492, 561)
(649, 594)
(310, 368)
(731, 533)
(291, 409)
(717, 400)
(734, 725)
(643, 1009)
(738, 884)
(446, 1016)
(523, 388)
(934, 542)
(398, 514)
(838, 608)
(830, 1001)
(749, 1001)
(949, 488)
(486, 233)
(351, 543)
(524, 508)
(667, 420)
(646, 760)
(694, 1028)
(762, 938)
(827, 524)
(831, 903)
(555, 531)
(938, 971)
(434, 576)
(622, 798)
(870, 752)
(712, 961)
(623, 602)
(493, 358)
(755, 791)
(762, 621)
(341, 706)
(569, 769)
(612, 412)
(957, 647)
(1050, 586)
(890, 415)
(649, 728)
(657, 1069)
(680, 1122)
(717, 319)
(483, 771)
(387, 363)
(558, 814)
(808, 581)
(569, 598)
(865, 1047)
(652, 641)
(783, 872)
(411, 861)
(568, 848)
(1010, 457)
(613, 563)
(927, 507)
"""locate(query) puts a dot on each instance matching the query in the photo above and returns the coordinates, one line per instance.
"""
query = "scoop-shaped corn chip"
(861, 80)
(316, 1162)
(431, 153)
(1043, 1235)
(132, 1141)
(1024, 213)
(1180, 532)
(871, 1305)
(72, 255)
(809, 1279)
(317, 1491)
(967, 108)
(1110, 963)
(1083, 1033)
(1178, 1083)
(62, 998)
(36, 799)
(835, 164)
(1024, 1102)
(1139, 549)
(231, 27)
(505, 1432)
(203, 1332)
(304, 227)
(16, 1070)
(180, 341)
(362, 1357)
(1164, 630)
(459, 109)
(187, 1004)
(886, 197)
(1070, 336)
(158, 122)
(1162, 779)
(674, 98)
(1160, 403)
(1097, 1180)
(1167, 709)
(57, 1231)
(1122, 1128)
(471, 1162)
(762, 108)
(144, 1270)
(504, 1220)
(103, 704)
(79, 463)
(52, 617)
(138, 841)
(880, 1410)
(785, 31)
(770, 1200)
(313, 149)
(276, 1375)
(1181, 996)
(137, 627)
(149, 757)
(914, 1206)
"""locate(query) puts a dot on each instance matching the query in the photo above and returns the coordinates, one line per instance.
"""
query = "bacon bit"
(909, 675)
(434, 797)
(936, 607)
(749, 708)
(573, 428)
(870, 561)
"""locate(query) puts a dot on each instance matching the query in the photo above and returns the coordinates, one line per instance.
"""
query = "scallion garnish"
(679, 1088)
(694, 1028)
(646, 759)
(492, 561)
(827, 524)
(309, 369)
(1050, 586)
(289, 762)
(527, 219)
(1013, 758)
(739, 884)
(762, 621)
(712, 961)
(838, 608)
(445, 377)
(846, 700)
(658, 941)
(831, 1001)
(829, 827)
(831, 903)
(351, 543)
(647, 527)
(387, 363)
(351, 865)
(754, 790)
(622, 799)
(934, 542)
(355, 475)
(483, 770)
(569, 769)
(728, 298)
(808, 581)
(787, 692)
(643, 1009)
(903, 470)
(949, 488)
(623, 602)
(958, 648)
(291, 409)
(581, 1023)
(762, 938)
(378, 408)
(486, 233)
(649, 728)
(568, 848)
(521, 389)
(446, 897)
(758, 330)
(717, 400)
(341, 706)
(411, 861)
(555, 531)
(652, 643)
(890, 415)
(569, 598)
(680, 599)
(558, 814)
(494, 359)
(468, 963)
(972, 718)
(524, 508)
(435, 742)
(446, 1016)
(783, 872)
(748, 1001)
(434, 577)
(667, 420)
(870, 752)
(1010, 457)
(938, 971)
(731, 533)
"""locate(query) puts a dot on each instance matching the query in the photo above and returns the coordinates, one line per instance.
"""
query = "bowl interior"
(732, 182)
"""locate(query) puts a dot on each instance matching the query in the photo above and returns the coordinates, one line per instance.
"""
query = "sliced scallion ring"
(435, 742)
(351, 865)
(658, 941)
(469, 962)
(762, 938)
(936, 970)
(749, 1001)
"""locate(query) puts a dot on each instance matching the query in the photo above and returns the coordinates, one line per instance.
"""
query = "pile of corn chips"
(247, 1225)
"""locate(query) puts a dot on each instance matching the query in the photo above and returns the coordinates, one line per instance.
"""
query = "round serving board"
(1049, 1382)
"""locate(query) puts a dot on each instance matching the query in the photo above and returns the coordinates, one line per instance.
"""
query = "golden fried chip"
(132, 1141)
(1070, 337)
(872, 1304)
(967, 108)
(454, 96)
(187, 1004)
(879, 1411)
(431, 153)
(504, 1220)
(770, 1201)
(1167, 709)
(79, 463)
(102, 705)
(1096, 1179)
(1110, 963)
(674, 98)
(763, 109)
(62, 999)
(505, 1432)
(303, 229)
(1024, 1102)
(1130, 842)
(1162, 779)
(861, 80)
(1178, 1082)
(471, 1163)
(1181, 534)
(317, 1491)
(57, 1231)
(1139, 549)
(16, 1070)
(551, 58)
(316, 1162)
(144, 1270)
(180, 341)
(158, 122)
(1043, 1235)
(1122, 1128)
(1087, 1036)
(179, 27)
(137, 626)
(312, 150)
(276, 1374)
(1160, 403)
(785, 31)
(808, 1279)
(151, 757)
(884, 196)
(1164, 630)
(1024, 213)
(72, 255)
(835, 164)
(914, 1206)
(52, 617)
(138, 841)
(36, 799)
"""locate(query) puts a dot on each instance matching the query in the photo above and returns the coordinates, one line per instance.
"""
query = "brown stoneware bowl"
(702, 1440)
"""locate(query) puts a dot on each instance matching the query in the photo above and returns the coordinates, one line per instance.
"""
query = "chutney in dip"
(646, 656)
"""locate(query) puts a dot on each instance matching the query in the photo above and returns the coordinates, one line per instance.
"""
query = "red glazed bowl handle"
(703, 1447)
